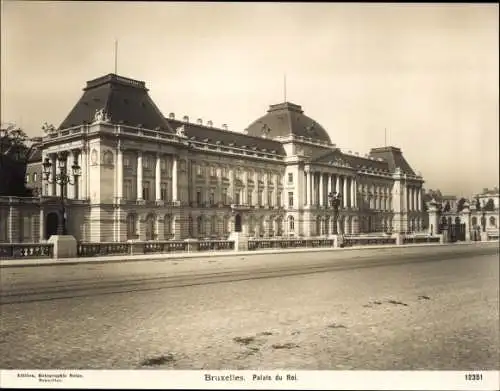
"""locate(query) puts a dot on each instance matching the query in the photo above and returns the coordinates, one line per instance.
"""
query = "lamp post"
(62, 179)
(334, 199)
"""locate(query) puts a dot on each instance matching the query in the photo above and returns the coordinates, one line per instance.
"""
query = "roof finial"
(116, 56)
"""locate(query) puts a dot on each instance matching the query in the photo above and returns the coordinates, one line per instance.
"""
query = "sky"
(427, 73)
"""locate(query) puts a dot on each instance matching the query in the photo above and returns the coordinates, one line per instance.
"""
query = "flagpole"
(116, 57)
(284, 87)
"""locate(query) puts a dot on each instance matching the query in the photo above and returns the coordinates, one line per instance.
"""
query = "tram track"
(92, 287)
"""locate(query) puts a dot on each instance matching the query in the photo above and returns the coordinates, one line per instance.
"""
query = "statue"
(100, 115)
(180, 131)
(335, 203)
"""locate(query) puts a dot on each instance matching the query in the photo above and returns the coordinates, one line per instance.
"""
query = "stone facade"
(189, 180)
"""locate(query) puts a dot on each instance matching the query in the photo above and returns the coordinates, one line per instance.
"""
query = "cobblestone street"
(426, 315)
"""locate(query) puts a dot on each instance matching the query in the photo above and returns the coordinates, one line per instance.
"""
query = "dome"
(284, 119)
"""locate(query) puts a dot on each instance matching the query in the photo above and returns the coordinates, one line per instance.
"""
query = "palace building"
(145, 176)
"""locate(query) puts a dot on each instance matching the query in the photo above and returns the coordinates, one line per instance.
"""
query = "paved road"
(398, 308)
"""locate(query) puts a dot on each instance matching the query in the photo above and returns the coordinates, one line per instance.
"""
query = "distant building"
(488, 197)
(150, 177)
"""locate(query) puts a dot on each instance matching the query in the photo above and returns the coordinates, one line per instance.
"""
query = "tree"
(460, 204)
(447, 207)
(490, 205)
(15, 150)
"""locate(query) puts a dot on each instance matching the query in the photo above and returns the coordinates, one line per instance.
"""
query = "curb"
(195, 255)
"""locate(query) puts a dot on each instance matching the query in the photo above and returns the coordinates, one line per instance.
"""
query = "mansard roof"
(123, 100)
(394, 157)
(226, 137)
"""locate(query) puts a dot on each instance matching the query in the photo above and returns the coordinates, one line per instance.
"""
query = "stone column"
(175, 193)
(353, 192)
(53, 185)
(337, 183)
(139, 175)
(70, 189)
(308, 185)
(344, 188)
(329, 187)
(419, 199)
(83, 177)
(42, 225)
(310, 189)
(13, 224)
(466, 219)
(321, 189)
(119, 173)
(158, 177)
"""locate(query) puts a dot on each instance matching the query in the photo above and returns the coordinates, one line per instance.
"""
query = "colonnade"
(414, 198)
(319, 185)
(140, 175)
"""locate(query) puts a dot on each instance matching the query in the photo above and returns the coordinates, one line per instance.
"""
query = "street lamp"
(62, 179)
(334, 199)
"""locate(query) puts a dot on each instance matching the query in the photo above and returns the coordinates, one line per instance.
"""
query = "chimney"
(185, 118)
(199, 121)
(224, 126)
(171, 116)
(210, 123)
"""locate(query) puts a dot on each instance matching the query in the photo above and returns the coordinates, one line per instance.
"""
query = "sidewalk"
(205, 254)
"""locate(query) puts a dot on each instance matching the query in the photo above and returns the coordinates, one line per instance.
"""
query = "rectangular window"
(290, 177)
(163, 164)
(211, 197)
(270, 198)
(290, 199)
(126, 161)
(249, 197)
(213, 171)
(278, 199)
(199, 170)
(127, 187)
(145, 162)
(198, 197)
(224, 172)
(224, 196)
(237, 197)
(163, 191)
(259, 200)
(146, 193)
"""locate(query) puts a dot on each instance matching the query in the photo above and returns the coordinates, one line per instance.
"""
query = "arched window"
(199, 225)
(167, 226)
(190, 226)
(279, 226)
(474, 221)
(213, 225)
(291, 223)
(493, 221)
(131, 226)
(318, 225)
(150, 225)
